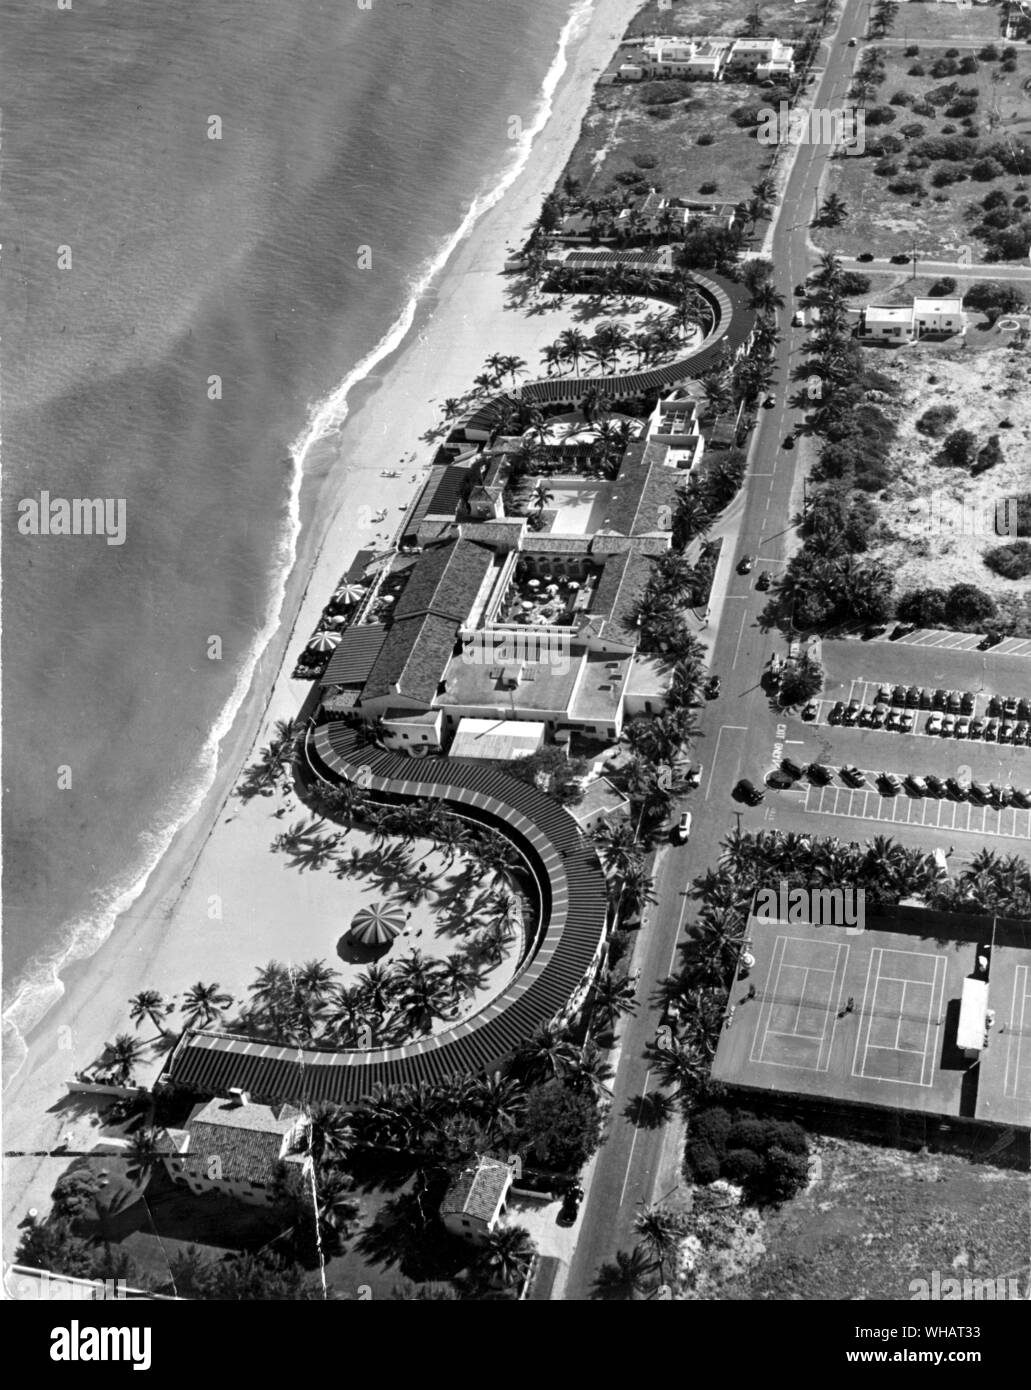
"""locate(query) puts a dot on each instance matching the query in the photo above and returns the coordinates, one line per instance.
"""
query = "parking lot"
(962, 642)
(932, 813)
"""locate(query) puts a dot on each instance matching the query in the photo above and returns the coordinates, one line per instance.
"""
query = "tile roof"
(355, 655)
(445, 581)
(248, 1140)
(413, 658)
(478, 1191)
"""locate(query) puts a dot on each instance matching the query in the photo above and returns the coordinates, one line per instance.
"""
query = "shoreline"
(457, 318)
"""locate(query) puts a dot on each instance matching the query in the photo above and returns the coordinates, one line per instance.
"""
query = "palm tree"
(120, 1057)
(497, 1102)
(149, 1003)
(506, 1255)
(459, 977)
(377, 988)
(660, 1233)
(315, 979)
(512, 365)
(683, 1069)
(628, 1277)
(553, 357)
(145, 1153)
(573, 344)
(766, 299)
(540, 497)
(496, 854)
(325, 1134)
(204, 1004)
(832, 211)
(590, 1073)
(545, 1055)
(451, 407)
(423, 994)
(612, 998)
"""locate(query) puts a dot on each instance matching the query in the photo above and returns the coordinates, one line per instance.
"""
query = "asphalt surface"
(737, 730)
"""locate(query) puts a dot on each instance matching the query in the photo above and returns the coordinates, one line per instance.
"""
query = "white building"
(475, 1200)
(906, 323)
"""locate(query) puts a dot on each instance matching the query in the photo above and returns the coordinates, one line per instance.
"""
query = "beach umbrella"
(324, 641)
(349, 593)
(377, 925)
(533, 583)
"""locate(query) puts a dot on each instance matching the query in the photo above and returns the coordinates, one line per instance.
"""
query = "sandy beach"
(220, 903)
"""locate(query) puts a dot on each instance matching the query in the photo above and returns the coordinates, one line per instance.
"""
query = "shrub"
(789, 1135)
(880, 115)
(705, 139)
(906, 186)
(988, 455)
(989, 53)
(936, 420)
(962, 106)
(968, 64)
(966, 604)
(986, 169)
(959, 449)
(924, 108)
(917, 70)
(887, 168)
(944, 67)
(926, 607)
(901, 99)
(747, 1133)
(783, 1175)
(712, 1127)
(742, 1166)
(701, 1162)
(912, 50)
(913, 130)
(996, 198)
(994, 299)
(709, 187)
(942, 288)
(645, 161)
(852, 283)
(1011, 561)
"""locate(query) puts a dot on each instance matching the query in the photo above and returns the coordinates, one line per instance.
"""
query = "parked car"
(934, 724)
(898, 695)
(837, 712)
(1024, 709)
(963, 726)
(916, 784)
(1006, 733)
(935, 785)
(1009, 708)
(746, 791)
(894, 720)
(884, 695)
(800, 289)
(1020, 797)
(977, 727)
(994, 704)
(966, 702)
(851, 713)
(955, 789)
(880, 714)
(789, 441)
(991, 730)
(990, 639)
(764, 581)
(819, 773)
(1020, 732)
(948, 725)
(925, 698)
(865, 717)
(854, 776)
(852, 43)
(913, 697)
(683, 829)
(954, 702)
(792, 768)
(711, 688)
(811, 710)
(571, 1200)
(798, 319)
(694, 776)
(938, 699)
(889, 779)
(865, 256)
(980, 792)
(744, 565)
(906, 721)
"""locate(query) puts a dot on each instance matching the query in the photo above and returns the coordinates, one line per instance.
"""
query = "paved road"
(959, 270)
(736, 730)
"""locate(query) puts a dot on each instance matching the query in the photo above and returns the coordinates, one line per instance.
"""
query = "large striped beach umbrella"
(349, 593)
(377, 925)
(324, 641)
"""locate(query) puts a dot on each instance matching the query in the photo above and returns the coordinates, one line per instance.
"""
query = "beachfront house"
(234, 1147)
(473, 1204)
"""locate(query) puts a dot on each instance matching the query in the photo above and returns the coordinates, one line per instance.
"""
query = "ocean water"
(141, 258)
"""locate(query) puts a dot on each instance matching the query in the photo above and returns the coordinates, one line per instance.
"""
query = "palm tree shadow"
(361, 952)
(650, 1111)
(408, 1235)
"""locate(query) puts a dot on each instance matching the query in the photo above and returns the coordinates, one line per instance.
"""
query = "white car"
(683, 829)
(798, 319)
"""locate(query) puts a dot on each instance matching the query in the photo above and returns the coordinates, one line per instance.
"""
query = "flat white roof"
(888, 313)
(937, 306)
(973, 1015)
(497, 738)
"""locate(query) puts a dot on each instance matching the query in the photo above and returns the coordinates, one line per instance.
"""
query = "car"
(854, 776)
(764, 581)
(1001, 796)
(800, 289)
(913, 697)
(898, 695)
(683, 830)
(954, 702)
(798, 319)
(711, 688)
(905, 721)
(880, 714)
(955, 789)
(865, 717)
(1020, 732)
(948, 725)
(894, 720)
(935, 785)
(916, 784)
(1009, 708)
(852, 43)
(747, 791)
(900, 258)
(889, 779)
(819, 773)
(792, 768)
(979, 792)
(934, 724)
(990, 639)
(811, 710)
(769, 401)
(1024, 709)
(991, 730)
(744, 565)
(925, 698)
(963, 726)
(884, 694)
(850, 714)
(789, 441)
(938, 699)
(571, 1199)
(693, 776)
(1006, 733)
(977, 727)
(865, 256)
(837, 712)
(994, 705)
(1020, 797)
(966, 702)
